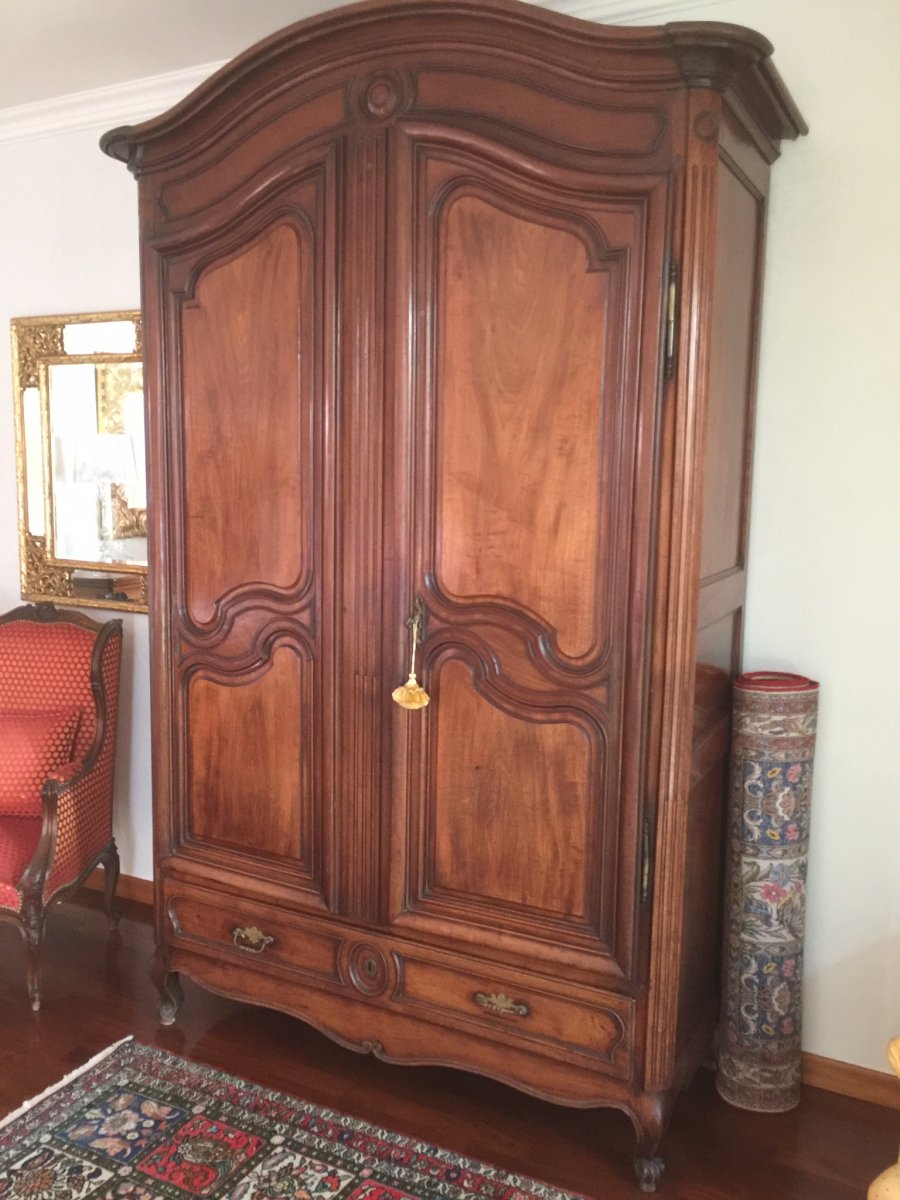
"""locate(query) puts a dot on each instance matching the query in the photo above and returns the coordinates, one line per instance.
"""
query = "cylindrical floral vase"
(773, 741)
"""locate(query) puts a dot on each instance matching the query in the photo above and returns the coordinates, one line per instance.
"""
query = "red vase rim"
(775, 681)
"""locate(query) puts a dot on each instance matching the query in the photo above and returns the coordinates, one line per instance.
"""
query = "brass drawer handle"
(251, 940)
(502, 1005)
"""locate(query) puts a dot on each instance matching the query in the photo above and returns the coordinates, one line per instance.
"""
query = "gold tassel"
(410, 695)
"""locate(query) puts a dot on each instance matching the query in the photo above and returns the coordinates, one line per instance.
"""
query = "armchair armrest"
(77, 824)
(66, 773)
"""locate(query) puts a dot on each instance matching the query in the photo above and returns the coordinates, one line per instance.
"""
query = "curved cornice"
(729, 58)
(140, 99)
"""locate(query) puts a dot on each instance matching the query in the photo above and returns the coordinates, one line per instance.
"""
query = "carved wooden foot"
(169, 988)
(648, 1172)
(172, 996)
(650, 1117)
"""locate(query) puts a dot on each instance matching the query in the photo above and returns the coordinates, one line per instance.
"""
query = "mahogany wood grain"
(247, 496)
(495, 772)
(99, 990)
(232, 781)
(522, 338)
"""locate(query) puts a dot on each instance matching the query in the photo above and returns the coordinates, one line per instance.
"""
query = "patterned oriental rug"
(141, 1124)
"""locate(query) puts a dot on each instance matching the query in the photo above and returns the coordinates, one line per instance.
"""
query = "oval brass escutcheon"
(369, 971)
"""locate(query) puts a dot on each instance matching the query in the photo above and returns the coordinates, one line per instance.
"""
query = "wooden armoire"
(450, 325)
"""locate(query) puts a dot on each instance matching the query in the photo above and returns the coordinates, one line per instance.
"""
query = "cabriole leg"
(650, 1117)
(33, 933)
(168, 986)
(110, 860)
(648, 1169)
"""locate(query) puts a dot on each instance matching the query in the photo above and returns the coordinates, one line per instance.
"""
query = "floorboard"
(97, 990)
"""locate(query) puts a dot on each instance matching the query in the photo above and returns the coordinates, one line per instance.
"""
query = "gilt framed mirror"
(80, 459)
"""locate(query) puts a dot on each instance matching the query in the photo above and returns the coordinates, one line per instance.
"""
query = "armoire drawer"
(246, 929)
(586, 1025)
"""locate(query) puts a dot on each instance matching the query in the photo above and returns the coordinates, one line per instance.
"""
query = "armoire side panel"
(731, 371)
(741, 179)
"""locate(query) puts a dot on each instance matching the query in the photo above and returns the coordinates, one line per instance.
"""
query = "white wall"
(68, 244)
(824, 585)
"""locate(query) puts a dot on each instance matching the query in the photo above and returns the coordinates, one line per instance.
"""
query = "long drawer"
(570, 1023)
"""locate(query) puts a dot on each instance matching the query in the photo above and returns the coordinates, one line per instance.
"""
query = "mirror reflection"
(81, 459)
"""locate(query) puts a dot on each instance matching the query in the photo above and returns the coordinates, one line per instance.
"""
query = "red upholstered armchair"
(59, 685)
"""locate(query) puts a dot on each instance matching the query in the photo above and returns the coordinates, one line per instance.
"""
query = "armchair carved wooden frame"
(54, 834)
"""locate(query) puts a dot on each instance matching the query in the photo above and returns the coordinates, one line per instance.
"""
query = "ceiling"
(51, 48)
(54, 47)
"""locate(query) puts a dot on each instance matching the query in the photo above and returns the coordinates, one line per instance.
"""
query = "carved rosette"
(382, 95)
(706, 126)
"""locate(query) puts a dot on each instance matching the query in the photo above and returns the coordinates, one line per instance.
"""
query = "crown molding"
(101, 108)
(124, 103)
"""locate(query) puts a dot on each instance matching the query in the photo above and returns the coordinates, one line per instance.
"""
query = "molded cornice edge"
(99, 108)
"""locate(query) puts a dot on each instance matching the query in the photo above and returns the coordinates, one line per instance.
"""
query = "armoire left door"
(245, 577)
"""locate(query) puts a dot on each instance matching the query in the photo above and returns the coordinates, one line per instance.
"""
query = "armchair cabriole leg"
(110, 860)
(33, 933)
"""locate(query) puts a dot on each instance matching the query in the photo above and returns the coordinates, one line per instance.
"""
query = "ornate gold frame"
(38, 344)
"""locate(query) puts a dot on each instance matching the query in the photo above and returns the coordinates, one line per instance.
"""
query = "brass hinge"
(645, 861)
(671, 318)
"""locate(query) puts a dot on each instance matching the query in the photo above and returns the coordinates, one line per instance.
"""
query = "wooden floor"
(97, 990)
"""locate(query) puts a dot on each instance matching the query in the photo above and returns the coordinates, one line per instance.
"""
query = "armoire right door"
(526, 340)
